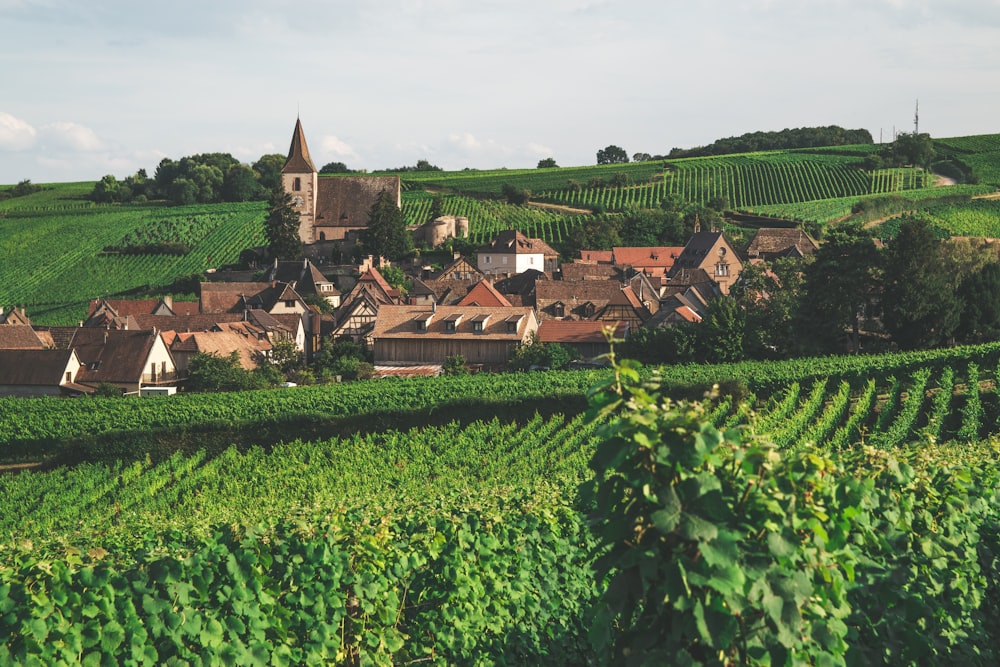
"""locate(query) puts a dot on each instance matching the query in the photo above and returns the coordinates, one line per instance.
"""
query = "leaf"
(665, 520)
(693, 527)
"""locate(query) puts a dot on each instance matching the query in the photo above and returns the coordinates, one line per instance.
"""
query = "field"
(461, 540)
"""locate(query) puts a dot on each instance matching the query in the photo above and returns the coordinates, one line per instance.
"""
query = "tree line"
(853, 295)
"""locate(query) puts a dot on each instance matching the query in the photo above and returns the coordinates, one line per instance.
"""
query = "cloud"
(338, 148)
(15, 134)
(71, 136)
(465, 141)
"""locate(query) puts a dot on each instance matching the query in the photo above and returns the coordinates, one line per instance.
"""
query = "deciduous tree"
(612, 155)
(386, 235)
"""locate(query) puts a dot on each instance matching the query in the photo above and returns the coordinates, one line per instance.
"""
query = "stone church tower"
(300, 179)
(331, 208)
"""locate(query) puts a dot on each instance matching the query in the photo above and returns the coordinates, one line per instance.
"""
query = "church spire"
(298, 161)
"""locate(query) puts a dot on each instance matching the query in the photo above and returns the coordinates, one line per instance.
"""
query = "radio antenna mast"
(916, 118)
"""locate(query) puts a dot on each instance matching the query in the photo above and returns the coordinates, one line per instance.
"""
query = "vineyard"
(53, 258)
(461, 541)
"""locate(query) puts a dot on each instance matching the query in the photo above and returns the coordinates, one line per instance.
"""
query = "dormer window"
(559, 309)
(424, 321)
(513, 322)
(479, 322)
(451, 322)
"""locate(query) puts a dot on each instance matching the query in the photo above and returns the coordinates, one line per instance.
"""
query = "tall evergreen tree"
(386, 235)
(282, 226)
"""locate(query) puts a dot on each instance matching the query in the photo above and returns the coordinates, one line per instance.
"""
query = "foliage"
(802, 137)
(22, 189)
(282, 226)
(706, 561)
(920, 309)
(547, 163)
(386, 235)
(211, 372)
(335, 168)
(612, 155)
(537, 354)
(455, 365)
(515, 195)
(979, 294)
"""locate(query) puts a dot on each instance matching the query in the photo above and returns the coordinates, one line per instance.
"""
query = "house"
(459, 269)
(513, 252)
(272, 297)
(586, 337)
(596, 257)
(711, 252)
(14, 316)
(19, 337)
(116, 312)
(655, 262)
(40, 373)
(127, 359)
(329, 207)
(422, 335)
(305, 278)
(771, 243)
(484, 294)
(251, 347)
(590, 300)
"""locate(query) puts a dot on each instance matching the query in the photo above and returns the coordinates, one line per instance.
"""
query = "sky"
(109, 87)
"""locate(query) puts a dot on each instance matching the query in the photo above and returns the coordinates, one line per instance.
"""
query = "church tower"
(300, 178)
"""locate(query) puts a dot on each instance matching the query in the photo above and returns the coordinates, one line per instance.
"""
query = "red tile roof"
(19, 337)
(484, 294)
(578, 331)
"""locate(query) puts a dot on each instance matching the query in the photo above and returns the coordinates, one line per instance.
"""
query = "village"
(474, 311)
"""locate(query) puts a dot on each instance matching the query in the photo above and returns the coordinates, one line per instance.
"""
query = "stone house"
(33, 373)
(513, 252)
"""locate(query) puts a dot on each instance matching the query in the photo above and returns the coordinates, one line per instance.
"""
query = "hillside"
(60, 250)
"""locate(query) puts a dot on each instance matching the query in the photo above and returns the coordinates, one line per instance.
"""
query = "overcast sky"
(102, 86)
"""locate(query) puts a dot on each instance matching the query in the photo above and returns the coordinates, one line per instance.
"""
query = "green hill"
(59, 249)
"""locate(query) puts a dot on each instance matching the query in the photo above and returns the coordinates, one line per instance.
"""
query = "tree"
(240, 184)
(612, 155)
(913, 148)
(516, 195)
(282, 226)
(979, 294)
(641, 157)
(547, 163)
(386, 235)
(335, 168)
(397, 278)
(268, 170)
(719, 337)
(839, 286)
(919, 305)
(210, 372)
(105, 190)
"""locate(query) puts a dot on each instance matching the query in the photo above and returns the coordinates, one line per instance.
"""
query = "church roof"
(298, 161)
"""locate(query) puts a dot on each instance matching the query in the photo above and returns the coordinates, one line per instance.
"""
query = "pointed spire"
(298, 161)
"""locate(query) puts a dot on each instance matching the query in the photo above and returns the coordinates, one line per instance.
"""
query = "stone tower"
(299, 178)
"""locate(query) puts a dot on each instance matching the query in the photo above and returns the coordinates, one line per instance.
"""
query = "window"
(69, 376)
(289, 303)
(297, 185)
(505, 259)
(721, 269)
(476, 326)
(489, 260)
(559, 310)
(449, 326)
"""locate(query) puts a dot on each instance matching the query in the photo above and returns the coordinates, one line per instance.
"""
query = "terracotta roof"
(186, 307)
(223, 343)
(19, 337)
(484, 294)
(298, 161)
(34, 367)
(14, 316)
(647, 257)
(112, 356)
(578, 331)
(125, 307)
(238, 297)
(458, 265)
(596, 256)
(404, 322)
(304, 275)
(61, 336)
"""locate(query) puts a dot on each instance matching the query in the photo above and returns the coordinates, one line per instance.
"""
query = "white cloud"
(337, 147)
(72, 136)
(465, 141)
(15, 134)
